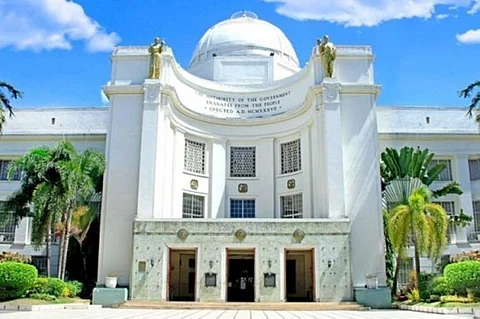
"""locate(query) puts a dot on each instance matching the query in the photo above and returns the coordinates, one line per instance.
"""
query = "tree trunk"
(417, 264)
(395, 278)
(66, 235)
(60, 254)
(84, 259)
(47, 244)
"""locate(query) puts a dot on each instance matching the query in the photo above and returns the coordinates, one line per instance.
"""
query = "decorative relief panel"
(331, 92)
(152, 92)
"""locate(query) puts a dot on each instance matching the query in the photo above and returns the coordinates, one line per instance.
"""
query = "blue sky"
(57, 51)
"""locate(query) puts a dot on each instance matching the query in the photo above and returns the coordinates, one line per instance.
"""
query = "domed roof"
(243, 34)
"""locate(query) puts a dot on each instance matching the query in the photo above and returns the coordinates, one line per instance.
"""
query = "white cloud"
(50, 24)
(469, 37)
(475, 8)
(358, 13)
(441, 16)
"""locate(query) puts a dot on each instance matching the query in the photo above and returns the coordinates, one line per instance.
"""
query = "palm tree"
(81, 179)
(56, 181)
(11, 93)
(475, 102)
(421, 221)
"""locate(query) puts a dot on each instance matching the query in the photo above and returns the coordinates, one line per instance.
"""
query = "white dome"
(243, 35)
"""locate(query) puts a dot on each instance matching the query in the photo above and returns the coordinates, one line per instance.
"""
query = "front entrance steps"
(314, 306)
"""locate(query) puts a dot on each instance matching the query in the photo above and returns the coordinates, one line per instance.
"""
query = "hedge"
(463, 276)
(16, 279)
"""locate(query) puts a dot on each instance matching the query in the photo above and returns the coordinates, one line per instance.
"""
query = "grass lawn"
(30, 301)
(443, 305)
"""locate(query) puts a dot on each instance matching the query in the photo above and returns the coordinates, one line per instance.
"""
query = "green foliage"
(414, 295)
(445, 299)
(475, 99)
(463, 276)
(45, 297)
(460, 220)
(16, 279)
(439, 287)
(39, 286)
(16, 257)
(55, 287)
(74, 288)
(424, 285)
(466, 256)
(7, 92)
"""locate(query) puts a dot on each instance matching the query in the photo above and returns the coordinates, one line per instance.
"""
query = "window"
(4, 171)
(405, 266)
(476, 216)
(7, 230)
(450, 209)
(192, 206)
(446, 174)
(41, 263)
(242, 161)
(242, 208)
(292, 206)
(194, 157)
(291, 157)
(474, 168)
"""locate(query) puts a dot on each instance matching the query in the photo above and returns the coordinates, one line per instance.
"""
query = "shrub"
(74, 288)
(425, 283)
(39, 286)
(55, 287)
(466, 256)
(45, 297)
(16, 257)
(16, 279)
(445, 299)
(463, 276)
(439, 287)
(414, 295)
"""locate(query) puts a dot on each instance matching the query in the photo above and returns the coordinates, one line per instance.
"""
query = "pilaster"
(466, 198)
(148, 148)
(333, 148)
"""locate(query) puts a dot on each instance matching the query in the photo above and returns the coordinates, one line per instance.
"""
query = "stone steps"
(145, 304)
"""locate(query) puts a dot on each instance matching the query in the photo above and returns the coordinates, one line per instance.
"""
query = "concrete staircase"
(313, 306)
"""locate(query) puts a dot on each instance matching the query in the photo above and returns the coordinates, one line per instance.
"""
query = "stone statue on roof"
(155, 51)
(328, 53)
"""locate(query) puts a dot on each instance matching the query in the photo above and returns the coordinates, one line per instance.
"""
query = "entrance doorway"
(181, 275)
(241, 275)
(299, 265)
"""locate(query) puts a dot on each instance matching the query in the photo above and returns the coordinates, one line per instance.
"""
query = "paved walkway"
(224, 314)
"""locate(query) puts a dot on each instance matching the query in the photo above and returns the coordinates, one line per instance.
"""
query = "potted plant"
(111, 280)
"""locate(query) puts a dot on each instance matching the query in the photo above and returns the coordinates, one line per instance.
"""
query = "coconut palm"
(475, 102)
(422, 222)
(56, 181)
(7, 92)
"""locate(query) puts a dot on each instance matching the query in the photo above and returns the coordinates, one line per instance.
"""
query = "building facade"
(247, 177)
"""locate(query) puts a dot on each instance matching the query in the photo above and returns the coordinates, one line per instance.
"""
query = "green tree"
(7, 92)
(56, 181)
(422, 222)
(472, 91)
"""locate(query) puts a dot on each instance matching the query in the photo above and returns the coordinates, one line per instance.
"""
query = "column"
(148, 149)
(22, 232)
(319, 195)
(333, 153)
(466, 198)
(178, 162)
(218, 160)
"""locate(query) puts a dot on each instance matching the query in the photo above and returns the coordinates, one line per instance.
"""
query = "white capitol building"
(247, 177)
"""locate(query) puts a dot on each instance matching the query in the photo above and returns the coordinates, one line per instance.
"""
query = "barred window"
(41, 263)
(4, 171)
(476, 216)
(292, 206)
(192, 206)
(242, 161)
(446, 174)
(291, 157)
(242, 208)
(194, 157)
(474, 168)
(450, 209)
(404, 268)
(7, 229)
